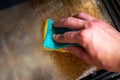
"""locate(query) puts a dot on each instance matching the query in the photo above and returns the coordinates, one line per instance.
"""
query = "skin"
(99, 41)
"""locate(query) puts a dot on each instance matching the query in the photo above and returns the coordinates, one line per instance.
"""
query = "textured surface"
(21, 37)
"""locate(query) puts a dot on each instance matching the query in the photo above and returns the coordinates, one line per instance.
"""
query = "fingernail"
(58, 37)
(54, 35)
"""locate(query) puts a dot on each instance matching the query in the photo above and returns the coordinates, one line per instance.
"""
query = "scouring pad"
(49, 44)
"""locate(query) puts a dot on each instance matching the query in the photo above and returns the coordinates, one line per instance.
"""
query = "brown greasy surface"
(21, 37)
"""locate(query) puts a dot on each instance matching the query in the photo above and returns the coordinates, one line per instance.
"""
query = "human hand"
(100, 41)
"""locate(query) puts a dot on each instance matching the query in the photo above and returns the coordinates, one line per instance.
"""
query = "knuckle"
(55, 37)
(58, 38)
(91, 24)
(76, 36)
(68, 21)
(82, 14)
(66, 35)
(61, 37)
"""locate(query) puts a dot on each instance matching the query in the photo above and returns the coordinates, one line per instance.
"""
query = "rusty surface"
(21, 37)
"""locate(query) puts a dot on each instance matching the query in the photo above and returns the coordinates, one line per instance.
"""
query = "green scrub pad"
(49, 43)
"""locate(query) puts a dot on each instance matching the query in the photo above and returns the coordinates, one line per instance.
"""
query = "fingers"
(68, 37)
(70, 22)
(84, 16)
(81, 53)
(75, 22)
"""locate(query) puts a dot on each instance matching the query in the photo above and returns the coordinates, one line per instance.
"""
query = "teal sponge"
(49, 43)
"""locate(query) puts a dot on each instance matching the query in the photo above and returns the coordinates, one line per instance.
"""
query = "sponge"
(49, 44)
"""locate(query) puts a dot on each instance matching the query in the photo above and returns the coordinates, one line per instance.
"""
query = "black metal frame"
(113, 8)
(102, 75)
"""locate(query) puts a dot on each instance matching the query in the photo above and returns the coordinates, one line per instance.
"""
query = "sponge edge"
(49, 44)
(48, 30)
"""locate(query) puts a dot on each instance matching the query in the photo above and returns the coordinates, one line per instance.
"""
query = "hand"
(100, 41)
